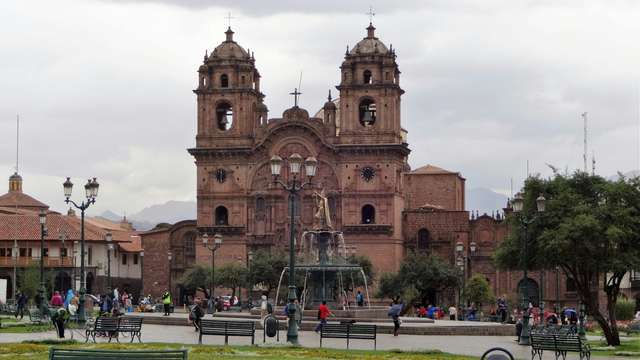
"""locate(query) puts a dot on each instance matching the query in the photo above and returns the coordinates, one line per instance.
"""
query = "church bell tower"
(230, 104)
(370, 93)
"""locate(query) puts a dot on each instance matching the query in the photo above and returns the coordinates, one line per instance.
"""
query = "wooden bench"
(558, 342)
(227, 328)
(106, 325)
(131, 325)
(78, 354)
(35, 316)
(349, 331)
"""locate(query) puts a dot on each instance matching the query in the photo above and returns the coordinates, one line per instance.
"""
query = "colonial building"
(383, 207)
(20, 239)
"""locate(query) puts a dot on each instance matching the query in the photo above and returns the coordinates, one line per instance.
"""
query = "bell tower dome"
(370, 93)
(230, 104)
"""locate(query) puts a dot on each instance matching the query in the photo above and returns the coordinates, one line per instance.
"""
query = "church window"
(224, 81)
(367, 77)
(222, 216)
(224, 116)
(368, 173)
(242, 79)
(221, 175)
(570, 284)
(260, 204)
(423, 239)
(190, 244)
(387, 76)
(368, 214)
(367, 112)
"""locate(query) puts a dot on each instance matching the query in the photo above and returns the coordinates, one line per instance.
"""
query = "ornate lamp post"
(141, 275)
(14, 256)
(109, 239)
(525, 221)
(293, 186)
(463, 262)
(217, 242)
(170, 257)
(42, 292)
(249, 285)
(91, 192)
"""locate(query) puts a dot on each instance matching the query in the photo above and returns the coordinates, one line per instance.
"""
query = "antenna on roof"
(17, 142)
(584, 153)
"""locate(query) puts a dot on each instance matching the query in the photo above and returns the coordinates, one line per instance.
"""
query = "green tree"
(419, 275)
(477, 290)
(265, 269)
(30, 280)
(231, 276)
(366, 265)
(195, 278)
(591, 227)
(389, 286)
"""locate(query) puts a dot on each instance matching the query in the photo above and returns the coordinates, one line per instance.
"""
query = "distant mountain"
(169, 212)
(485, 200)
(629, 174)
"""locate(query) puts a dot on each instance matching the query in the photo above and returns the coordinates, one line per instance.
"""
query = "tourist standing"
(166, 301)
(395, 309)
(263, 306)
(453, 312)
(502, 308)
(196, 313)
(360, 299)
(56, 299)
(323, 314)
(22, 303)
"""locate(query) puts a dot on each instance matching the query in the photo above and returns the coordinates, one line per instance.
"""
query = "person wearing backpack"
(196, 314)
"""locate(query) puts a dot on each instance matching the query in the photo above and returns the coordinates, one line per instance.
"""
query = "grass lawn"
(629, 348)
(24, 328)
(39, 350)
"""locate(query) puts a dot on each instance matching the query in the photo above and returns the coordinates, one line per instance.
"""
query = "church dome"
(229, 49)
(370, 44)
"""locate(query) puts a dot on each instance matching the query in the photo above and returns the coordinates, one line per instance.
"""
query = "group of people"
(115, 303)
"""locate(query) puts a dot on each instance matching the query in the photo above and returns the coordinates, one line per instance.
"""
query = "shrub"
(625, 309)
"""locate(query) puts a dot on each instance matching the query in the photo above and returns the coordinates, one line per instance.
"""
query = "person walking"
(196, 313)
(22, 304)
(360, 299)
(395, 309)
(323, 314)
(166, 301)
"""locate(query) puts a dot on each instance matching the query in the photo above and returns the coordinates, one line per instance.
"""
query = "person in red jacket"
(56, 299)
(323, 314)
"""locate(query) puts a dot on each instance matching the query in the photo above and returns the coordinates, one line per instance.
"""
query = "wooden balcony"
(48, 261)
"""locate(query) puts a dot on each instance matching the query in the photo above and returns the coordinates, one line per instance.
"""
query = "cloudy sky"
(103, 87)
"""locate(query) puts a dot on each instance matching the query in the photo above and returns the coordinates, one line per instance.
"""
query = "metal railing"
(26, 261)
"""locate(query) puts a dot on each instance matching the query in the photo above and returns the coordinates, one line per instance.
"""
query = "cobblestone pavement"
(463, 345)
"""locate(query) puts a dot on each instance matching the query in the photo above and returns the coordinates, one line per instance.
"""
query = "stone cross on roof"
(295, 94)
(229, 17)
(371, 14)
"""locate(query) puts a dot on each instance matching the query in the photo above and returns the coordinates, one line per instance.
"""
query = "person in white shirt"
(453, 311)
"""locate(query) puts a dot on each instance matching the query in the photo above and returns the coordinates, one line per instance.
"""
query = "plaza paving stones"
(463, 345)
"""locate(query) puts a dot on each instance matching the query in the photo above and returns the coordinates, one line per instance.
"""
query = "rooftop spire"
(371, 29)
(229, 34)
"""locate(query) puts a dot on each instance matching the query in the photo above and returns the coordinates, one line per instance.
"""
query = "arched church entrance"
(62, 282)
(528, 292)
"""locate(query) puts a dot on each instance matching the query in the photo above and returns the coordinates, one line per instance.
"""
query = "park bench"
(227, 328)
(78, 354)
(107, 326)
(349, 331)
(36, 318)
(235, 308)
(131, 325)
(560, 342)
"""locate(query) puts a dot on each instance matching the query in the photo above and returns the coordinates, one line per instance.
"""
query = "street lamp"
(518, 206)
(14, 256)
(91, 192)
(43, 291)
(109, 238)
(141, 274)
(293, 186)
(463, 262)
(169, 257)
(250, 285)
(217, 242)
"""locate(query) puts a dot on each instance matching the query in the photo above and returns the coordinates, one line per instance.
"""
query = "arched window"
(368, 214)
(224, 81)
(367, 112)
(222, 216)
(259, 204)
(242, 80)
(423, 239)
(570, 284)
(224, 116)
(367, 77)
(190, 244)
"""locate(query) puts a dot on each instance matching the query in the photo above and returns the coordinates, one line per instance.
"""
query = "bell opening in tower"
(367, 112)
(224, 116)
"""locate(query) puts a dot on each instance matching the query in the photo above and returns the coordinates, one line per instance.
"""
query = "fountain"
(323, 260)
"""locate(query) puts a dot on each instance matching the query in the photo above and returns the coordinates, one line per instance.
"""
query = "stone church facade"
(383, 207)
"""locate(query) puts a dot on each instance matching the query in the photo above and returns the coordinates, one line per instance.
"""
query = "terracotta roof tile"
(21, 200)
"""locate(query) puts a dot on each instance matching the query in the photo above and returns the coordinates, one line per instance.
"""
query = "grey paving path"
(463, 345)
